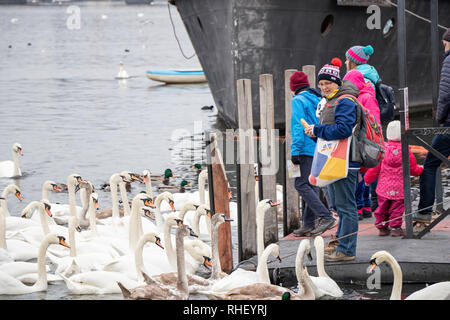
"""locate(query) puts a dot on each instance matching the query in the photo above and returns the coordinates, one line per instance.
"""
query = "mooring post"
(310, 71)
(404, 116)
(219, 203)
(268, 152)
(246, 162)
(292, 197)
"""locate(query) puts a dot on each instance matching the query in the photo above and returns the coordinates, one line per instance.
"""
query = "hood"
(311, 94)
(356, 78)
(369, 72)
(393, 154)
(348, 88)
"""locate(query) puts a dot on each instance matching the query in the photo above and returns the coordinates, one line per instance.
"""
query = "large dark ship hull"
(237, 39)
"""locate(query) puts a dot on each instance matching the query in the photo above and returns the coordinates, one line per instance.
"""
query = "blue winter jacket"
(443, 107)
(304, 106)
(369, 73)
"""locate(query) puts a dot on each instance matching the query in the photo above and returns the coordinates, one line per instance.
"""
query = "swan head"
(207, 262)
(274, 250)
(166, 195)
(12, 188)
(219, 218)
(318, 242)
(51, 186)
(53, 238)
(147, 213)
(146, 175)
(17, 148)
(94, 197)
(377, 258)
(147, 201)
(305, 248)
(190, 205)
(184, 230)
(29, 208)
(172, 219)
(203, 209)
(73, 224)
(47, 207)
(75, 179)
(266, 204)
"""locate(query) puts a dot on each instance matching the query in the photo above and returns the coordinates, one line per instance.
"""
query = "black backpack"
(386, 101)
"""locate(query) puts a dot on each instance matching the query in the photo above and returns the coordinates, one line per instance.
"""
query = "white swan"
(241, 277)
(10, 285)
(10, 189)
(264, 291)
(10, 169)
(168, 197)
(261, 209)
(155, 291)
(323, 284)
(122, 73)
(14, 249)
(437, 291)
(92, 256)
(148, 182)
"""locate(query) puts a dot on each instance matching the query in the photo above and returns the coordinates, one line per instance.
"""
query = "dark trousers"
(309, 193)
(428, 178)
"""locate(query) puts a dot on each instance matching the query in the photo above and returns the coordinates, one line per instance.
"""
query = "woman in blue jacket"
(304, 104)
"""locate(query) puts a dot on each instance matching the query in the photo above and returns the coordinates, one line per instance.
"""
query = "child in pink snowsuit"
(390, 183)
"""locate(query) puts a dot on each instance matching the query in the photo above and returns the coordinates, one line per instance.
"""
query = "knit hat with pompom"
(330, 72)
(359, 54)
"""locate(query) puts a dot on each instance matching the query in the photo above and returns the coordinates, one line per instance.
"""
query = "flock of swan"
(151, 249)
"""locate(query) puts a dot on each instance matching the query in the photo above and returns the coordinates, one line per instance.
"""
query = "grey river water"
(59, 99)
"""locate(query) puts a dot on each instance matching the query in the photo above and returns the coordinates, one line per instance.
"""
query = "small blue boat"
(177, 76)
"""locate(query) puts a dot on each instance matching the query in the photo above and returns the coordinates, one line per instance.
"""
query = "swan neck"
(216, 267)
(115, 201)
(201, 189)
(73, 249)
(320, 261)
(259, 232)
(4, 206)
(398, 278)
(92, 218)
(45, 194)
(125, 203)
(148, 187)
(196, 223)
(182, 282)
(170, 252)
(16, 163)
(135, 229)
(2, 230)
(138, 257)
(261, 269)
(158, 217)
(42, 273)
(72, 203)
(44, 223)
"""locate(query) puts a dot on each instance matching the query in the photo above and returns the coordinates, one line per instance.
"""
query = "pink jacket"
(390, 172)
(367, 96)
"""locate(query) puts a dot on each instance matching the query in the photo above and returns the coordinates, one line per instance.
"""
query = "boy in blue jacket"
(304, 104)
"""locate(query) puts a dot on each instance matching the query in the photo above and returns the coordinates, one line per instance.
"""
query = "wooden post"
(292, 197)
(246, 162)
(268, 155)
(221, 205)
(310, 71)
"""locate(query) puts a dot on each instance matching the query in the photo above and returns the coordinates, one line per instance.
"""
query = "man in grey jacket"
(440, 142)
